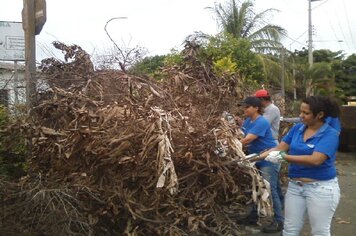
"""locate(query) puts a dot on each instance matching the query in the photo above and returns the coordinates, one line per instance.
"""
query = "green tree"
(151, 66)
(225, 48)
(147, 66)
(242, 22)
(323, 72)
(325, 55)
(272, 70)
(346, 76)
(323, 78)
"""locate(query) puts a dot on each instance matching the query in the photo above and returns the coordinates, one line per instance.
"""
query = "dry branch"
(142, 152)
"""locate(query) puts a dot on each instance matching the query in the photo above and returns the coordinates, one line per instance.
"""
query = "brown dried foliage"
(103, 148)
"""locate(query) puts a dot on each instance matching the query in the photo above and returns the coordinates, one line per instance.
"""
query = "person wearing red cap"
(262, 93)
(271, 112)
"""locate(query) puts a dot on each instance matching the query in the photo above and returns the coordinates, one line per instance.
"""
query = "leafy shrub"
(225, 66)
(174, 58)
(12, 157)
(148, 66)
(220, 48)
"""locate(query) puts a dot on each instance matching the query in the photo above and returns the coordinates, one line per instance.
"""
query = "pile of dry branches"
(123, 155)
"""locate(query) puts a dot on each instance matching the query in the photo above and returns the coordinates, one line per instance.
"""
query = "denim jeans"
(318, 199)
(271, 174)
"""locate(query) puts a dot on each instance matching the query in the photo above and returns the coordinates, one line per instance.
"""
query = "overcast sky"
(160, 25)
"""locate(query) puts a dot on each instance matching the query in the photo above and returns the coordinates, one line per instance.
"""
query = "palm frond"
(239, 20)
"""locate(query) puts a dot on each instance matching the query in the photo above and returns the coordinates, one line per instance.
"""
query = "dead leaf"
(343, 222)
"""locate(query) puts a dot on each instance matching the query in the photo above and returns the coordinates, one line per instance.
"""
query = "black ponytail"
(332, 106)
(325, 104)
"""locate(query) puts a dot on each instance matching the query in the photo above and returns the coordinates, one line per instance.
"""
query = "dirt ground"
(344, 221)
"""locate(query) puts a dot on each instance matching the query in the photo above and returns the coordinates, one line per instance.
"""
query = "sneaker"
(274, 227)
(248, 220)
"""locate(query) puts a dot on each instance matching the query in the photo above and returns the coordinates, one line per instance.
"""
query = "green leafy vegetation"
(225, 67)
(225, 48)
(346, 76)
(148, 65)
(12, 158)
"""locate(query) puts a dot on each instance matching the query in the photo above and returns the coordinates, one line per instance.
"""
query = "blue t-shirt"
(262, 129)
(334, 122)
(325, 140)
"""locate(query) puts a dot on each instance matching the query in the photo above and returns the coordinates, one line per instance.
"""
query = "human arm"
(318, 152)
(255, 130)
(290, 120)
(282, 146)
(276, 155)
(238, 121)
(248, 139)
(315, 159)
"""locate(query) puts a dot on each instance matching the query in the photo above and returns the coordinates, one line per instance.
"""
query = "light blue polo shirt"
(326, 141)
(262, 129)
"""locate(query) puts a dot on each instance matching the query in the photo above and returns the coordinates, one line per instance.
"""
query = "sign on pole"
(40, 15)
(12, 41)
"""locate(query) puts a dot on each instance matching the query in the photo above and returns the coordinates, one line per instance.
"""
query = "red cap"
(261, 93)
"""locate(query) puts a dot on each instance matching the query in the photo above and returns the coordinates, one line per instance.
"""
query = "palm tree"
(242, 22)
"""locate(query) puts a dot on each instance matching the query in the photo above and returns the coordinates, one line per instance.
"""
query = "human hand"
(275, 156)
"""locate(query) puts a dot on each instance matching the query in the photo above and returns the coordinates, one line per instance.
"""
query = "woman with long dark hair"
(310, 149)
